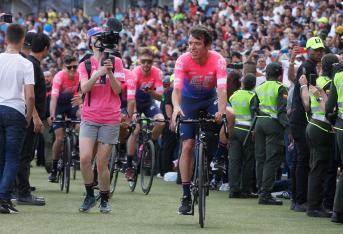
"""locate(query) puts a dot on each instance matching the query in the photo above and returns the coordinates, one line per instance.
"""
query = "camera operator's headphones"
(93, 32)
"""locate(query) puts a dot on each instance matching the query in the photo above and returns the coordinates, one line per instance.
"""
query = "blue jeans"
(12, 133)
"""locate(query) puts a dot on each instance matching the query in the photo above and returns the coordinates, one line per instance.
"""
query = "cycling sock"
(186, 189)
(54, 165)
(129, 160)
(90, 189)
(221, 150)
(104, 195)
(122, 147)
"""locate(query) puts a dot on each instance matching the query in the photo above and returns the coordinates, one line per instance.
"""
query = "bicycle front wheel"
(114, 170)
(202, 184)
(147, 166)
(67, 163)
(60, 174)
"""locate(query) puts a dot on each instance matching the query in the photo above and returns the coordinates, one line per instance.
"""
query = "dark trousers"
(300, 164)
(321, 153)
(269, 152)
(169, 144)
(330, 183)
(12, 129)
(338, 204)
(241, 162)
(27, 151)
(40, 147)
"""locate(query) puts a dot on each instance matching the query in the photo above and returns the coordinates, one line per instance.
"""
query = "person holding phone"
(298, 123)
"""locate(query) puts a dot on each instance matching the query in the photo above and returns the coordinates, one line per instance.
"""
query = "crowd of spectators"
(260, 31)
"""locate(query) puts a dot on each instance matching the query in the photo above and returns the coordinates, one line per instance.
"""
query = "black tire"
(202, 184)
(147, 168)
(114, 170)
(74, 161)
(74, 169)
(133, 183)
(67, 163)
(60, 174)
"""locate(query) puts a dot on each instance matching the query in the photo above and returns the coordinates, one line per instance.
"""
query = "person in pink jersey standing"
(100, 120)
(149, 87)
(200, 84)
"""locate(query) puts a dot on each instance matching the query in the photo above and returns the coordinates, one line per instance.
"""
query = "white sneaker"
(224, 187)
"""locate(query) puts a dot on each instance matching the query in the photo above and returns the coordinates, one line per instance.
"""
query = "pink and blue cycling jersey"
(61, 84)
(152, 81)
(200, 81)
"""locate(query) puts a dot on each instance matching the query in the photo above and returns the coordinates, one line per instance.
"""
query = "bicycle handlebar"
(208, 119)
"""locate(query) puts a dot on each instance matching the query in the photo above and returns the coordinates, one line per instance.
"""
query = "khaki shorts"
(104, 133)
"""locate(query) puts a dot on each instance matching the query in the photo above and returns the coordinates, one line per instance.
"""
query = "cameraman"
(100, 119)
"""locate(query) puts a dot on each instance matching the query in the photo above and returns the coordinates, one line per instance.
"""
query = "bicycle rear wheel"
(202, 184)
(114, 169)
(147, 166)
(67, 163)
(133, 183)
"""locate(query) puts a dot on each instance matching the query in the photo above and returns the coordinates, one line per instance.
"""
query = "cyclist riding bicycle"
(149, 88)
(63, 95)
(200, 84)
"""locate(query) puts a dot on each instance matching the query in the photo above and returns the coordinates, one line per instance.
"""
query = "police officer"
(241, 160)
(269, 132)
(319, 137)
(335, 99)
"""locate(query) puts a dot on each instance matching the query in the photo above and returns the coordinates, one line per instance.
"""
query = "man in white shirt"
(16, 107)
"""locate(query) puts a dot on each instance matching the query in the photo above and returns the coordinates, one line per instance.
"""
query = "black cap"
(273, 70)
(28, 39)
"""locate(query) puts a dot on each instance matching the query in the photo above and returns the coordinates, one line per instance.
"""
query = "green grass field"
(154, 213)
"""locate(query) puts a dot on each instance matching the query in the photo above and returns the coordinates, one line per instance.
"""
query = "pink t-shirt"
(104, 106)
(199, 81)
(152, 81)
(61, 84)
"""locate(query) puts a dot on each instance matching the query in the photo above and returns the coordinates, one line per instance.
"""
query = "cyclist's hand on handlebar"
(134, 117)
(177, 112)
(218, 117)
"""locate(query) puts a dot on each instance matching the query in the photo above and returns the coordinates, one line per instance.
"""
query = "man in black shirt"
(298, 123)
(40, 47)
(169, 140)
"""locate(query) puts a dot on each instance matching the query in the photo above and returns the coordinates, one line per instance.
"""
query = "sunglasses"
(146, 61)
(69, 67)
